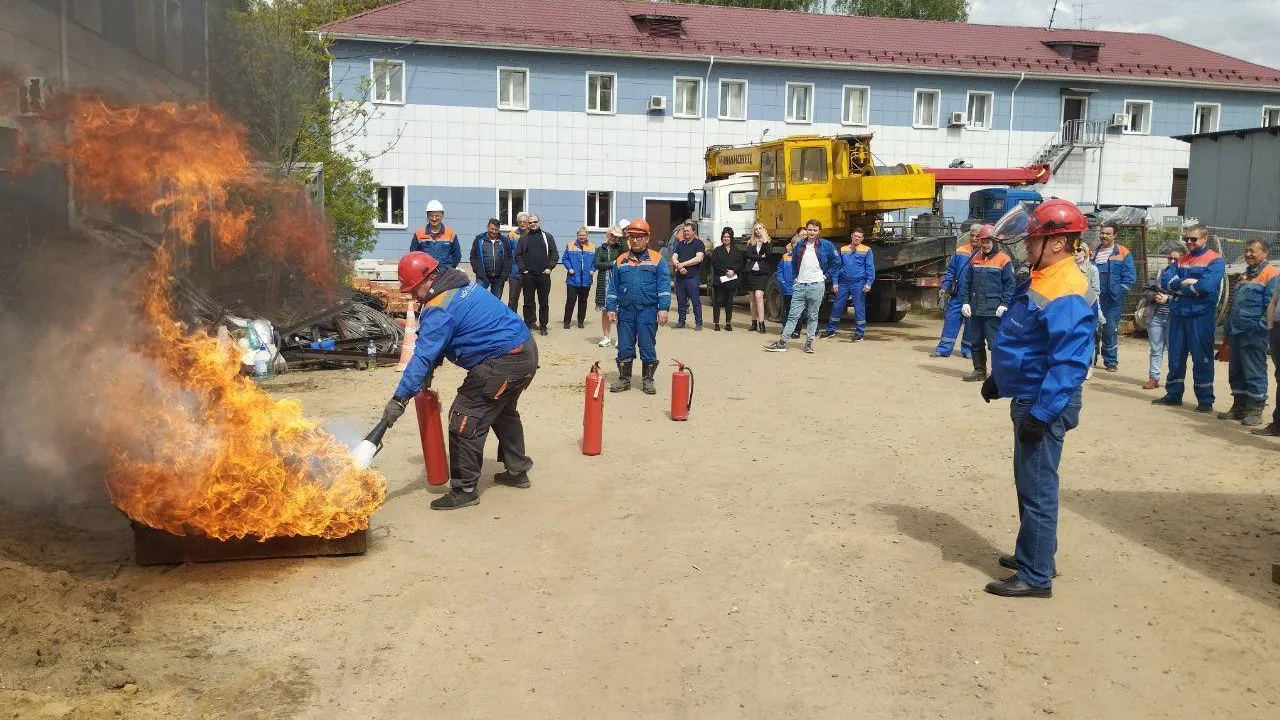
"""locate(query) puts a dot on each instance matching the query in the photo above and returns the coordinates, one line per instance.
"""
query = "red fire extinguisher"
(427, 404)
(681, 391)
(593, 412)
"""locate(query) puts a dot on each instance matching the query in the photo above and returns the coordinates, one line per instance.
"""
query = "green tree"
(949, 10)
(272, 76)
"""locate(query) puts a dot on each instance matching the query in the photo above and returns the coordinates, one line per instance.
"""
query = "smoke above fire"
(100, 380)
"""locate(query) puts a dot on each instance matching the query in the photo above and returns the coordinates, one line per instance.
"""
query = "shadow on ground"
(1232, 538)
(1209, 423)
(957, 542)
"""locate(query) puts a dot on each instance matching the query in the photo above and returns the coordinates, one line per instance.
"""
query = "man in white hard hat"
(437, 239)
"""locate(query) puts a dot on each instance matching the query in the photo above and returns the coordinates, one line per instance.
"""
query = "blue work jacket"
(638, 282)
(1117, 275)
(857, 266)
(581, 260)
(1251, 299)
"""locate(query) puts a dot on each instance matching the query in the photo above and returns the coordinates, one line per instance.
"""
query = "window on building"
(391, 207)
(733, 99)
(599, 209)
(388, 81)
(808, 165)
(688, 98)
(1270, 116)
(799, 102)
(1139, 112)
(927, 103)
(770, 175)
(513, 88)
(144, 15)
(173, 35)
(855, 106)
(510, 204)
(979, 107)
(1206, 117)
(600, 93)
(89, 14)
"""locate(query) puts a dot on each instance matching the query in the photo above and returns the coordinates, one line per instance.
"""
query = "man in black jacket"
(536, 255)
(491, 259)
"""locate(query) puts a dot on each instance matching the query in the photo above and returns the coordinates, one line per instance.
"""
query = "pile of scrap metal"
(357, 332)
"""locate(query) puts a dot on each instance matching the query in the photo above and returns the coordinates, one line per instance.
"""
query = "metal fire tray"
(158, 547)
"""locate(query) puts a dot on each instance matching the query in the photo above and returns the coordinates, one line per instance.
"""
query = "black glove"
(1031, 432)
(989, 390)
(393, 411)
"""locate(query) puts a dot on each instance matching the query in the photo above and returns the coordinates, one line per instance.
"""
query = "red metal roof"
(773, 35)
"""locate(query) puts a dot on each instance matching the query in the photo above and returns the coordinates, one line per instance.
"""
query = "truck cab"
(990, 204)
(726, 203)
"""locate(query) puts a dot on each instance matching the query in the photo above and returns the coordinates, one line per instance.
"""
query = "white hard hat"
(435, 206)
(623, 222)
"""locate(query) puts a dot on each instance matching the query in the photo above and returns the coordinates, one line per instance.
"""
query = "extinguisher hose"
(690, 405)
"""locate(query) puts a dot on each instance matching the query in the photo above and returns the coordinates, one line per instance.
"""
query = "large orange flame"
(195, 447)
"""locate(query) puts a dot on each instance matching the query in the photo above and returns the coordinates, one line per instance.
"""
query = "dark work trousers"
(1035, 476)
(493, 285)
(687, 292)
(487, 399)
(1275, 360)
(1247, 368)
(576, 295)
(981, 334)
(786, 312)
(722, 297)
(539, 285)
(513, 295)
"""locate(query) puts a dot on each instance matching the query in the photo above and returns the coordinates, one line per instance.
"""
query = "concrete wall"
(449, 140)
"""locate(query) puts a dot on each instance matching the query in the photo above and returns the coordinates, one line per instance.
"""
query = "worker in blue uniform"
(986, 289)
(1116, 276)
(637, 300)
(437, 239)
(954, 322)
(852, 283)
(1195, 288)
(1246, 334)
(466, 324)
(1040, 360)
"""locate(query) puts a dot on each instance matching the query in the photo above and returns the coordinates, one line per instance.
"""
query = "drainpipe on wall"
(706, 100)
(1097, 195)
(1013, 101)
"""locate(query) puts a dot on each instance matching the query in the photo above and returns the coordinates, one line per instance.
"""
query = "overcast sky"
(1247, 29)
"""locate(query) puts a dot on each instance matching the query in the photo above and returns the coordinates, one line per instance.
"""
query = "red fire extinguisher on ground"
(681, 391)
(593, 412)
(427, 405)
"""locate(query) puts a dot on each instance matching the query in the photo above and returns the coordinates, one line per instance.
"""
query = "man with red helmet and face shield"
(1042, 353)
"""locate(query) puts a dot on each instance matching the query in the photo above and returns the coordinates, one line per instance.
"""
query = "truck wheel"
(773, 302)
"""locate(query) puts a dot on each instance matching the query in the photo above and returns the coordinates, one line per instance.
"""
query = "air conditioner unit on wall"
(959, 118)
(657, 102)
(1120, 120)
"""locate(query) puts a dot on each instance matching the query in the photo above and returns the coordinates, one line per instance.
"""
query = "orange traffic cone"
(410, 338)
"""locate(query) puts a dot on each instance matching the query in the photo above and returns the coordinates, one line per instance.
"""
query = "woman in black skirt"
(757, 257)
(726, 273)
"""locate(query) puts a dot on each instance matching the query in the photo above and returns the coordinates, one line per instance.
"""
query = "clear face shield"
(1012, 228)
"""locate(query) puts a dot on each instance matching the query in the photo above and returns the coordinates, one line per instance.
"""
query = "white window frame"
(613, 206)
(1129, 130)
(497, 204)
(613, 92)
(915, 108)
(1270, 108)
(675, 95)
(404, 201)
(720, 114)
(786, 98)
(528, 81)
(987, 121)
(373, 81)
(1217, 116)
(866, 105)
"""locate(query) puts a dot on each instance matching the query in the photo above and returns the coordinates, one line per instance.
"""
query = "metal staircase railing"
(1072, 134)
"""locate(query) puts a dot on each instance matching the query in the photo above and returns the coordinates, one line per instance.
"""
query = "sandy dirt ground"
(811, 544)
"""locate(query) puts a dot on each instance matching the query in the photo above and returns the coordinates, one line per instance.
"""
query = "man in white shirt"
(816, 262)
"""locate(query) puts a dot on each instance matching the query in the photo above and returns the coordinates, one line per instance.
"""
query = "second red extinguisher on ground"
(427, 405)
(593, 412)
(681, 391)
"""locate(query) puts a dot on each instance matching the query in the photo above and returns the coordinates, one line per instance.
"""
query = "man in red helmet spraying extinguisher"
(465, 323)
(1042, 353)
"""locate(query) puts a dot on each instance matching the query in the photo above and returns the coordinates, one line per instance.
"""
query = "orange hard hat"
(415, 267)
(638, 228)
